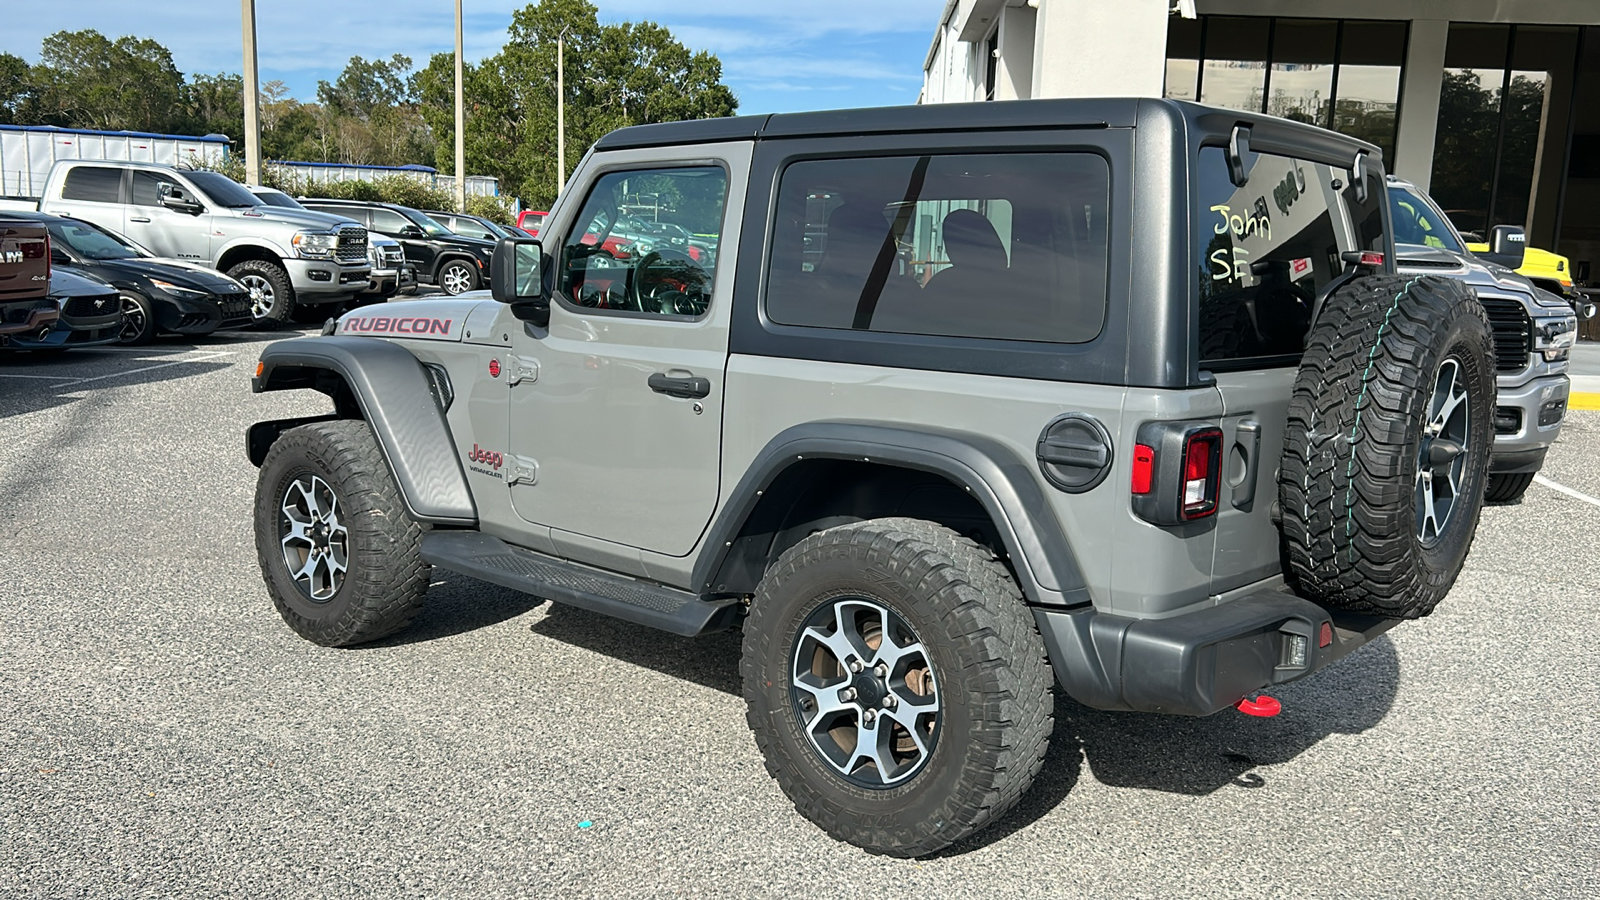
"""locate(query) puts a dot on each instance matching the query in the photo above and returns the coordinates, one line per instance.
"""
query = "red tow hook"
(1263, 706)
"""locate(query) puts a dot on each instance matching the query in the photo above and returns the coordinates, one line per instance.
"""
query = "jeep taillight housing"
(1176, 475)
(1202, 462)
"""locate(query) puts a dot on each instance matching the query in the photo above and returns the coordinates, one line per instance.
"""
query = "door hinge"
(524, 470)
(523, 368)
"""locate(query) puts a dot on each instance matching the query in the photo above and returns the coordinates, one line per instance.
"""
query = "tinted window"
(1416, 221)
(468, 228)
(147, 188)
(387, 221)
(1267, 249)
(95, 184)
(93, 242)
(223, 191)
(994, 246)
(605, 265)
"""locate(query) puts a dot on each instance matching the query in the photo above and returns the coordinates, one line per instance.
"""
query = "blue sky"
(777, 56)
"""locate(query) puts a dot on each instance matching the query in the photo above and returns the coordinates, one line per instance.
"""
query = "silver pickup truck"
(287, 258)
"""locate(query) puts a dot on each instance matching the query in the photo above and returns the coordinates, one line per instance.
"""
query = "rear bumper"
(28, 317)
(1197, 663)
(79, 331)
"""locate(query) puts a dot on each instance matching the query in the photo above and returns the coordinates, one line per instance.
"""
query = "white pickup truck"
(286, 257)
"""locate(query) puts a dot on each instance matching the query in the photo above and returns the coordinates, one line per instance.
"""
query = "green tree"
(85, 80)
(214, 104)
(370, 113)
(16, 90)
(616, 75)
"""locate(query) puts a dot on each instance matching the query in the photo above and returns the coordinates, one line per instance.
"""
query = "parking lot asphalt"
(163, 734)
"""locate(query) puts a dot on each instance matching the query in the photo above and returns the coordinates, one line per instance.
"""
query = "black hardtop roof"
(1112, 112)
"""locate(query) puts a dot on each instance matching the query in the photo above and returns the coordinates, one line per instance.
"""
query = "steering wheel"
(681, 288)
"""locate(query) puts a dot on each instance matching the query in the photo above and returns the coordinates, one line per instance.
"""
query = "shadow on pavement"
(710, 661)
(458, 604)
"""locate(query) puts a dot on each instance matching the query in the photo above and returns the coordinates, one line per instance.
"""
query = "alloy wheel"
(455, 279)
(134, 321)
(262, 297)
(1442, 456)
(316, 543)
(864, 692)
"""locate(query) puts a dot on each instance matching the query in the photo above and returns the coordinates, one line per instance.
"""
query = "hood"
(1412, 259)
(443, 319)
(180, 272)
(66, 282)
(299, 218)
(378, 240)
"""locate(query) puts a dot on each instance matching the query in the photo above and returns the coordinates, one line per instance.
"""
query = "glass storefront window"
(1234, 74)
(1183, 59)
(1371, 55)
(1301, 83)
(1469, 123)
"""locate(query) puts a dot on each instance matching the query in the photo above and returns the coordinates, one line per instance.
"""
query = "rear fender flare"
(396, 399)
(1002, 484)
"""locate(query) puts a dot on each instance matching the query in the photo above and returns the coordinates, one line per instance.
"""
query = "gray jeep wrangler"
(953, 404)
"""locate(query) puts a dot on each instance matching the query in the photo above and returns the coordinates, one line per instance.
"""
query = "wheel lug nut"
(881, 670)
(847, 694)
(868, 716)
(856, 665)
(890, 702)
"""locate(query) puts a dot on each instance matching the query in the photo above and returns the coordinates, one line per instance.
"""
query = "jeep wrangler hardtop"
(963, 400)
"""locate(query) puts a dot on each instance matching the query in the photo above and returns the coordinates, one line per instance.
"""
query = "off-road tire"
(138, 319)
(282, 305)
(1350, 473)
(985, 651)
(1508, 487)
(383, 587)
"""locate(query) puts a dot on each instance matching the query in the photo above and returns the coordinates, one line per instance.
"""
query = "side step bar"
(646, 603)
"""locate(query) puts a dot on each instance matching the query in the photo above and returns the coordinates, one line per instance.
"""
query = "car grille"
(80, 307)
(234, 305)
(352, 244)
(393, 257)
(1513, 333)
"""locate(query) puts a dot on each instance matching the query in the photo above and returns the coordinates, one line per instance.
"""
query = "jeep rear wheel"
(337, 549)
(896, 684)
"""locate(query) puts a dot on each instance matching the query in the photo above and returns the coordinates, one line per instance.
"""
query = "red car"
(530, 220)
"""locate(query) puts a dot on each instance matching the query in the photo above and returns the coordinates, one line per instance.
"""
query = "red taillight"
(1371, 258)
(1325, 635)
(1202, 453)
(1144, 461)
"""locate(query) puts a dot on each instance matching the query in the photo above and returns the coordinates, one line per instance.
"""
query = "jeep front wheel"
(337, 549)
(896, 684)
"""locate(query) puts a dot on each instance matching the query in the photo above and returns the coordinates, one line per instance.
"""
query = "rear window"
(1002, 246)
(1267, 249)
(95, 184)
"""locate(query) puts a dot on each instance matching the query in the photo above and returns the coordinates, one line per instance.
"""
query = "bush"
(495, 209)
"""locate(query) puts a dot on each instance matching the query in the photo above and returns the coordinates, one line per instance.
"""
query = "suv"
(286, 258)
(1122, 395)
(454, 263)
(1534, 332)
(25, 305)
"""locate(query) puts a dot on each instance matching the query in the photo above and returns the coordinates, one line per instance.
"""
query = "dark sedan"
(156, 295)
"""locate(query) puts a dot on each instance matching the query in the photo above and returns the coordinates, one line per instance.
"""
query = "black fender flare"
(1002, 483)
(397, 401)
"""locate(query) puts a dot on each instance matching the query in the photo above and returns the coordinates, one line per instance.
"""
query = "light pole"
(561, 109)
(252, 115)
(461, 120)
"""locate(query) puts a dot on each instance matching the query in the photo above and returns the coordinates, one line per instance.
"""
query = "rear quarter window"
(999, 246)
(93, 184)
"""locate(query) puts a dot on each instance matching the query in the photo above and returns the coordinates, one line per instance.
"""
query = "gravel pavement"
(163, 734)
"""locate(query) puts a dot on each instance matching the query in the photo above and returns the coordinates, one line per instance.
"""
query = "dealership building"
(1493, 106)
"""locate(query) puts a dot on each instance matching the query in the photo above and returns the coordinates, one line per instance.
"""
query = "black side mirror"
(413, 232)
(1507, 244)
(516, 278)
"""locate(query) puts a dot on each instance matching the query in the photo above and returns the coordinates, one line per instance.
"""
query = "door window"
(95, 184)
(646, 242)
(387, 221)
(1008, 246)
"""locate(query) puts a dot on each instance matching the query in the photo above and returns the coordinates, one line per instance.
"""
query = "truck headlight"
(314, 245)
(1554, 337)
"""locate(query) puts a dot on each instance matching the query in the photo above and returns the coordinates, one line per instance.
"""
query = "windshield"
(223, 191)
(278, 198)
(92, 242)
(1416, 221)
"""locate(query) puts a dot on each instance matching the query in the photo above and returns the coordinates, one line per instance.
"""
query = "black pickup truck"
(25, 304)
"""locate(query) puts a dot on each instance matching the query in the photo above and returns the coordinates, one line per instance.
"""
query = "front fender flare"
(397, 401)
(1001, 482)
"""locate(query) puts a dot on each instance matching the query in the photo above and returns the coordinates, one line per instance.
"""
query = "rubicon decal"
(485, 462)
(413, 325)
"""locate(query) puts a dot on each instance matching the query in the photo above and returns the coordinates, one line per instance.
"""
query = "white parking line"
(177, 362)
(44, 377)
(1563, 489)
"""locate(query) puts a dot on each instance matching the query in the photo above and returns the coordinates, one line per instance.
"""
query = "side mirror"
(59, 257)
(414, 232)
(172, 198)
(516, 278)
(1507, 244)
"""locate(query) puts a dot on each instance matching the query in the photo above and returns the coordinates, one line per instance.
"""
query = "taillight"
(1202, 458)
(1144, 461)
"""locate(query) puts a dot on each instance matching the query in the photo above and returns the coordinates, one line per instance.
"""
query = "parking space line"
(176, 362)
(1563, 489)
(44, 377)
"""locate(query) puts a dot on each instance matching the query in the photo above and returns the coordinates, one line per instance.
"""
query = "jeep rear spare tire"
(1386, 453)
(337, 549)
(896, 684)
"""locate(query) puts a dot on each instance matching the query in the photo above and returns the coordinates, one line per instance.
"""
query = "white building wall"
(1095, 48)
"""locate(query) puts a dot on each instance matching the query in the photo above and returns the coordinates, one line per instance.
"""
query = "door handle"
(688, 388)
(138, 218)
(1247, 440)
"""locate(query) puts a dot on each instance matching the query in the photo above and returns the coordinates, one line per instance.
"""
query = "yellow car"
(1543, 268)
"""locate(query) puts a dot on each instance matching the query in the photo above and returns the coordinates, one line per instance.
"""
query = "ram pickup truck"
(25, 304)
(287, 258)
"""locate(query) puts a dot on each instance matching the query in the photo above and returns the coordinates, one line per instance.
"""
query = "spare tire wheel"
(1386, 452)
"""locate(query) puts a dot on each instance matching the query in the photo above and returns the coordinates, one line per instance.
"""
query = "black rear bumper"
(1200, 662)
